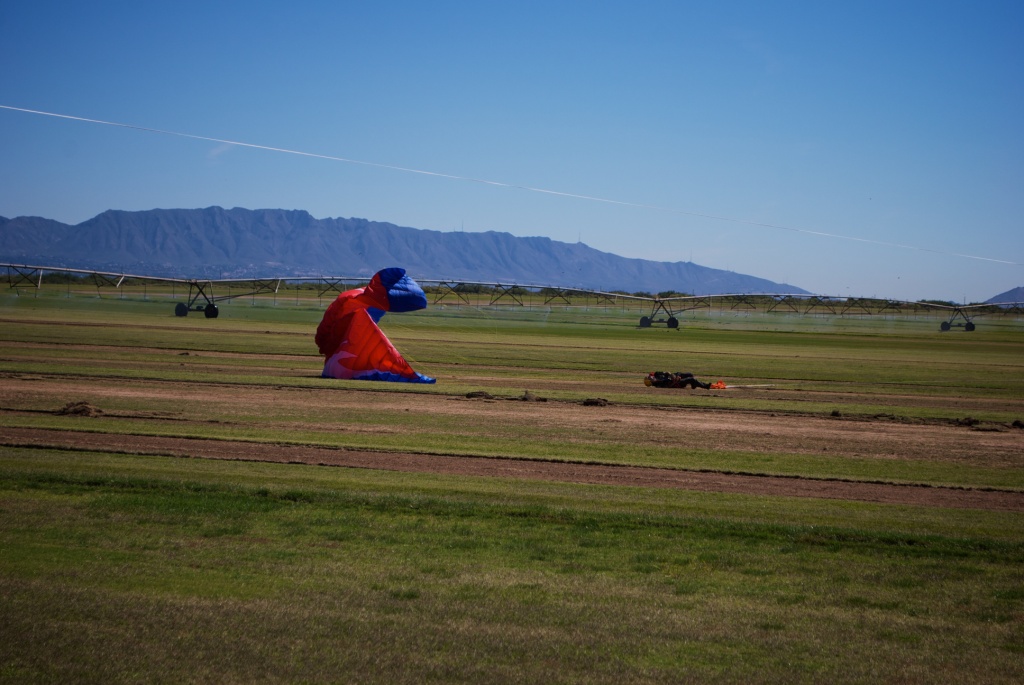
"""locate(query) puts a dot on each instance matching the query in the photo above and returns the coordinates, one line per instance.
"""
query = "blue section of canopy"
(387, 376)
(404, 294)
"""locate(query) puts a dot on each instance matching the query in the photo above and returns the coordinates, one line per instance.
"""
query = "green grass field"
(127, 567)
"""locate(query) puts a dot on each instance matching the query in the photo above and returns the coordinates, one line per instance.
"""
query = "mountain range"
(1012, 295)
(242, 243)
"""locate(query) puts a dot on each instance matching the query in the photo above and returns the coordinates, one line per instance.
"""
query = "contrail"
(454, 177)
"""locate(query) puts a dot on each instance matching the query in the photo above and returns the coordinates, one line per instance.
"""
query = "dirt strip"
(526, 469)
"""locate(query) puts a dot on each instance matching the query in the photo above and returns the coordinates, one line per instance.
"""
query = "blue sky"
(868, 148)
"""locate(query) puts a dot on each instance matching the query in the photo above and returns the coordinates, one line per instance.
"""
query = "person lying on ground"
(679, 379)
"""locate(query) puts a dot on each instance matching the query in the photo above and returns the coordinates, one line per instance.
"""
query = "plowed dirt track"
(521, 469)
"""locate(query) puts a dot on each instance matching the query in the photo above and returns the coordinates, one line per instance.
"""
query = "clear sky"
(895, 128)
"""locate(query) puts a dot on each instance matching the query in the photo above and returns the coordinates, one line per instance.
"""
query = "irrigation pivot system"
(198, 295)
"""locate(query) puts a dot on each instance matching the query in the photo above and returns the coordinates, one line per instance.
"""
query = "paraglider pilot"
(679, 379)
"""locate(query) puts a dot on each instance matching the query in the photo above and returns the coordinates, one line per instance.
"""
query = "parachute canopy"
(352, 344)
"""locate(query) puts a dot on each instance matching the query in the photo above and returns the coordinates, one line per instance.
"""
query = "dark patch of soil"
(79, 409)
(530, 397)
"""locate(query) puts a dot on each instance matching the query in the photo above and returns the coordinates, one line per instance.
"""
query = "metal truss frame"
(663, 310)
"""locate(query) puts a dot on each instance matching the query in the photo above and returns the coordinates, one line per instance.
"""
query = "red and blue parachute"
(352, 344)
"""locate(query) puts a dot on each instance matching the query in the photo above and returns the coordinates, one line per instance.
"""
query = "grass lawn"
(119, 567)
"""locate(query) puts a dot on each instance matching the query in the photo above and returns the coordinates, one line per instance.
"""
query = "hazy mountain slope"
(216, 242)
(1014, 295)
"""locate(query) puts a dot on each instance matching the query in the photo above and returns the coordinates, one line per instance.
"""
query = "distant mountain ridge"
(240, 243)
(1013, 295)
